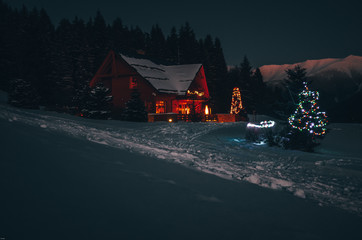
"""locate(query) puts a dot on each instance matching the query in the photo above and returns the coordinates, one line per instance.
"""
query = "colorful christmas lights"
(306, 117)
(236, 104)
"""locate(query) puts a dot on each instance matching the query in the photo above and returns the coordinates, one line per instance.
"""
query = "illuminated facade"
(180, 89)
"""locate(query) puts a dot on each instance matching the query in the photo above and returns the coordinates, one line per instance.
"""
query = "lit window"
(183, 109)
(160, 107)
(132, 83)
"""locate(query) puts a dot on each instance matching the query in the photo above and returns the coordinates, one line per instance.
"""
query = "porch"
(175, 117)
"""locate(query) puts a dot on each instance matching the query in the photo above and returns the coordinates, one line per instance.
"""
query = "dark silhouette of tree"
(156, 44)
(81, 99)
(296, 77)
(59, 62)
(216, 73)
(258, 91)
(173, 50)
(188, 45)
(245, 85)
(222, 87)
(98, 103)
(8, 38)
(100, 40)
(135, 109)
(22, 94)
(61, 77)
(118, 36)
(137, 40)
(251, 84)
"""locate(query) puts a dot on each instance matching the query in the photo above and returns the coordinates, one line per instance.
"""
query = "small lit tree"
(236, 103)
(307, 122)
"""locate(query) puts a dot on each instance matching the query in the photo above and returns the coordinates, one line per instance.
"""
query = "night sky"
(268, 32)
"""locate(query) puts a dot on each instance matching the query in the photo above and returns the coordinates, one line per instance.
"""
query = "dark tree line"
(252, 87)
(57, 63)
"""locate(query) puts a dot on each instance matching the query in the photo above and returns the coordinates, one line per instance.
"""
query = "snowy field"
(328, 180)
(331, 176)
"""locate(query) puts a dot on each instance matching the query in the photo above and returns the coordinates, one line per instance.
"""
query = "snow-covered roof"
(167, 79)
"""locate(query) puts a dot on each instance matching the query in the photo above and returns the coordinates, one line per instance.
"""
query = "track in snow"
(219, 149)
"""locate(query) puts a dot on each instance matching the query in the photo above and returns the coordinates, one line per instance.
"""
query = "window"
(132, 83)
(183, 109)
(160, 106)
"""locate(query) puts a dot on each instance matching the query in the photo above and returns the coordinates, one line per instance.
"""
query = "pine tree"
(80, 53)
(118, 36)
(98, 103)
(135, 109)
(100, 44)
(188, 45)
(295, 81)
(156, 44)
(62, 55)
(23, 94)
(245, 84)
(45, 38)
(216, 72)
(307, 123)
(8, 29)
(173, 47)
(136, 40)
(81, 99)
(257, 91)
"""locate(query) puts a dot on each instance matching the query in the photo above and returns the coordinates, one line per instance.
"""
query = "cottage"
(179, 89)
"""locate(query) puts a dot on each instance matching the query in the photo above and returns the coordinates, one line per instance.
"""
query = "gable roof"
(167, 79)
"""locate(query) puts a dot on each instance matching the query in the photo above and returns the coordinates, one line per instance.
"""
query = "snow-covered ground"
(332, 176)
(65, 177)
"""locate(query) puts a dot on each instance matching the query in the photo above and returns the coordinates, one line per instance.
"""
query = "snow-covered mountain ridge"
(349, 65)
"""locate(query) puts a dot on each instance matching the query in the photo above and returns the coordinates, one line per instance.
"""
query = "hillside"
(65, 177)
(338, 80)
(350, 66)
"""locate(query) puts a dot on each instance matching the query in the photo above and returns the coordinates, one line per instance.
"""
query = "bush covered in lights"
(307, 123)
(264, 132)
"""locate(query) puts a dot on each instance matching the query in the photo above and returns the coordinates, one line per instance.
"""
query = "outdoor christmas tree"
(307, 122)
(236, 103)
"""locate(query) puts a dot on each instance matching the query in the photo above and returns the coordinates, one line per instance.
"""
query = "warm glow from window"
(207, 110)
(160, 107)
(183, 109)
(170, 120)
